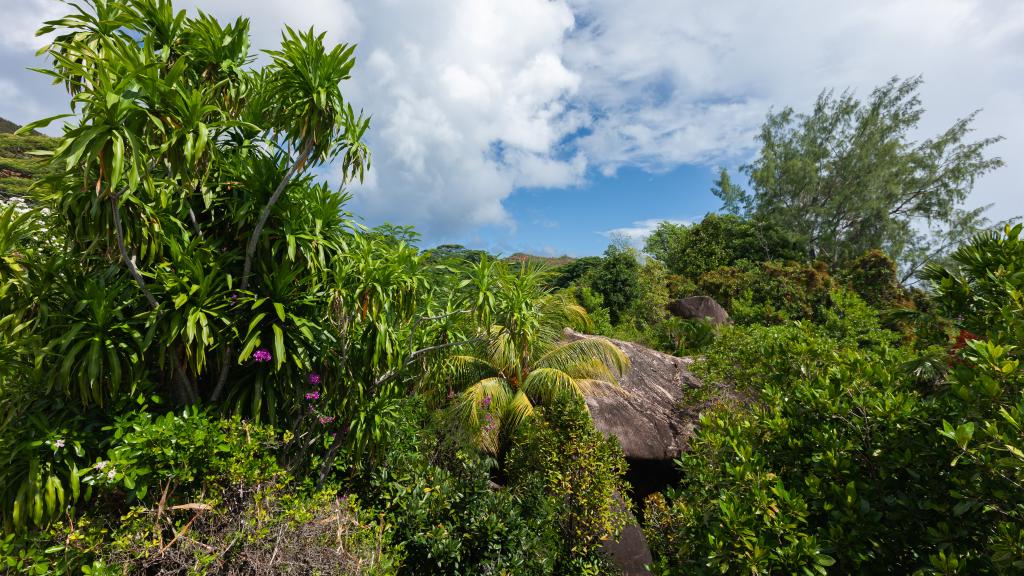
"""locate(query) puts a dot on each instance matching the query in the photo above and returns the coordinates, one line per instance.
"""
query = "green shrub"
(982, 423)
(874, 277)
(683, 337)
(716, 241)
(828, 456)
(436, 494)
(189, 451)
(581, 471)
(840, 461)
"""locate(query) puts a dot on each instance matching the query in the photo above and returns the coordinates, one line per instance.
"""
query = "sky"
(551, 126)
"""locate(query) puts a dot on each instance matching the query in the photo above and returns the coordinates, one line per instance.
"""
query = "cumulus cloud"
(21, 20)
(688, 81)
(472, 99)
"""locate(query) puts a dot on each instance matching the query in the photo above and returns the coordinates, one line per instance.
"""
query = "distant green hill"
(552, 261)
(18, 169)
(7, 127)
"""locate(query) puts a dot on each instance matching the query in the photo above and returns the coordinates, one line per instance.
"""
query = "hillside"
(7, 127)
(550, 261)
(18, 168)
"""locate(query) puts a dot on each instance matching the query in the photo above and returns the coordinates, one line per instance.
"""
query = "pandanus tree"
(187, 172)
(521, 357)
(179, 243)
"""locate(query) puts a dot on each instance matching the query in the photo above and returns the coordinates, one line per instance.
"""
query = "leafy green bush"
(817, 469)
(581, 471)
(838, 460)
(446, 515)
(983, 408)
(717, 241)
(616, 279)
(683, 337)
(769, 292)
(875, 278)
(191, 491)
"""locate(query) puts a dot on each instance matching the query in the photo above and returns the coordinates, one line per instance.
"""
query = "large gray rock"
(698, 308)
(630, 552)
(644, 411)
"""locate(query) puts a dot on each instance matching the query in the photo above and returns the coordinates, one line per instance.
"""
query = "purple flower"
(344, 429)
(314, 395)
(262, 355)
(486, 402)
(326, 419)
(488, 422)
(59, 443)
(314, 378)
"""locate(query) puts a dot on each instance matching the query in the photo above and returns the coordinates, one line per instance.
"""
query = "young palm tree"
(521, 357)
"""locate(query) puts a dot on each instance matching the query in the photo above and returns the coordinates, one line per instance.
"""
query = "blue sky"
(545, 125)
(580, 221)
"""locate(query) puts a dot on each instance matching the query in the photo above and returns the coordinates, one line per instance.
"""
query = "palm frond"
(465, 369)
(547, 384)
(479, 407)
(516, 412)
(578, 358)
(501, 350)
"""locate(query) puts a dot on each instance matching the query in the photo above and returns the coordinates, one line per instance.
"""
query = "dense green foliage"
(716, 241)
(839, 456)
(208, 366)
(846, 178)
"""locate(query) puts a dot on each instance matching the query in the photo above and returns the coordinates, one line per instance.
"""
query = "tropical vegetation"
(209, 366)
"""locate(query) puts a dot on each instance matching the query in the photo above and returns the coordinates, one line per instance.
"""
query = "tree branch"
(412, 358)
(188, 395)
(250, 251)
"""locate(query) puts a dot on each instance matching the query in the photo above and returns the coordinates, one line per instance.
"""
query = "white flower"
(101, 465)
(111, 474)
(59, 443)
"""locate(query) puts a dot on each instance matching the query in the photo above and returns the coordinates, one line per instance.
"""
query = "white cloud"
(689, 81)
(472, 99)
(21, 20)
(638, 233)
(470, 102)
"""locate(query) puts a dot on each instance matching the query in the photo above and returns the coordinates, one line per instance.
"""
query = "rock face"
(630, 552)
(643, 412)
(699, 307)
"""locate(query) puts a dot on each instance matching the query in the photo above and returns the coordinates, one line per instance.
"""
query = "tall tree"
(616, 279)
(848, 177)
(184, 189)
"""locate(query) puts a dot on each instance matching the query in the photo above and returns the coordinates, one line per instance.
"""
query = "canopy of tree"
(848, 177)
